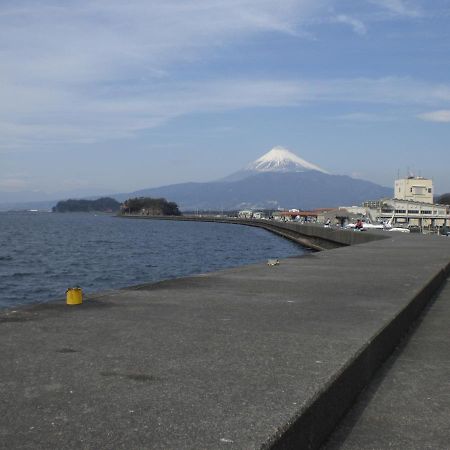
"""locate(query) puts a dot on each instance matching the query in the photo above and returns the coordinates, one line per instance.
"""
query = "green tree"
(104, 204)
(150, 206)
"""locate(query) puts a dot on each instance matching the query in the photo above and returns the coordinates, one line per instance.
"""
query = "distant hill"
(444, 199)
(305, 190)
(278, 179)
(104, 204)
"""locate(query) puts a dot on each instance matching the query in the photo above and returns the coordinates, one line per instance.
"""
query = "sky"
(105, 96)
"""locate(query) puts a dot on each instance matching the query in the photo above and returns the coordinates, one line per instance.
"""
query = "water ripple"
(43, 254)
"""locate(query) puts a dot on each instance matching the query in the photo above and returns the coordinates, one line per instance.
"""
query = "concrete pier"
(407, 405)
(255, 357)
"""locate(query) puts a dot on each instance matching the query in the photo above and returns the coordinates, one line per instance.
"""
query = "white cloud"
(387, 90)
(442, 115)
(89, 118)
(93, 70)
(356, 24)
(112, 40)
(82, 71)
(365, 117)
(399, 7)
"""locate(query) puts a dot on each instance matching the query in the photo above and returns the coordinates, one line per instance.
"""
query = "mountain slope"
(278, 179)
(305, 190)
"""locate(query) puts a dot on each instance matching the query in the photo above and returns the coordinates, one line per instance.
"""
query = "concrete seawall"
(246, 358)
(312, 236)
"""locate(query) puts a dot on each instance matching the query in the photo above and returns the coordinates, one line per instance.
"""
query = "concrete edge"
(315, 422)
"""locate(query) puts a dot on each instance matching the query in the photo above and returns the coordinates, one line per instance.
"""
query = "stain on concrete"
(66, 350)
(142, 377)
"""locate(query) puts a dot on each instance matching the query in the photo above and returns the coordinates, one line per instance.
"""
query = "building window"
(419, 190)
(429, 190)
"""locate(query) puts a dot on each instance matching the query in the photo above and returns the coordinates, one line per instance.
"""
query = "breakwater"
(253, 357)
(311, 236)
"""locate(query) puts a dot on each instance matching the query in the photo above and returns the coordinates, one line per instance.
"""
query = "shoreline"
(225, 247)
(315, 237)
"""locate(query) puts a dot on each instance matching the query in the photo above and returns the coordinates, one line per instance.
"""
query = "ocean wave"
(21, 274)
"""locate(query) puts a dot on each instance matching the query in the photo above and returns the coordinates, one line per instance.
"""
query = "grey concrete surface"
(260, 356)
(407, 406)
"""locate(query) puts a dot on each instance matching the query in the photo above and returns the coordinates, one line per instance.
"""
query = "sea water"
(42, 254)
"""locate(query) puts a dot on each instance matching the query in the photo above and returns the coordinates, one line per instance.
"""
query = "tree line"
(150, 206)
(139, 205)
(104, 204)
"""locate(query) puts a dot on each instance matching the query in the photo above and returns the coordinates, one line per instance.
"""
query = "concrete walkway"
(259, 356)
(407, 406)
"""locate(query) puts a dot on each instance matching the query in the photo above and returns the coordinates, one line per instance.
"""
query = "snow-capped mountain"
(280, 159)
(278, 179)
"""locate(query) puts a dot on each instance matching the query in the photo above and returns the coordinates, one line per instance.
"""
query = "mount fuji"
(278, 179)
(279, 159)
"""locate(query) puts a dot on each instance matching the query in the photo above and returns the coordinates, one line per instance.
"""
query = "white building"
(409, 213)
(415, 189)
(245, 214)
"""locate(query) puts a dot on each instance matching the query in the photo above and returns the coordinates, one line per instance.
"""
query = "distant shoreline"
(310, 236)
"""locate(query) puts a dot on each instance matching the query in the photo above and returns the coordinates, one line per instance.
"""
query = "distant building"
(374, 204)
(341, 216)
(406, 212)
(412, 207)
(415, 189)
(245, 214)
(299, 216)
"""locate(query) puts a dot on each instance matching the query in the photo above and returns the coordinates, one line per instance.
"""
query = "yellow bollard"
(74, 296)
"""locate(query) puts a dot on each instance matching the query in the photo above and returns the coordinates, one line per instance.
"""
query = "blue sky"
(101, 96)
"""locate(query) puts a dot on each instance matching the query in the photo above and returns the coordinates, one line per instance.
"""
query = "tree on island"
(104, 204)
(150, 207)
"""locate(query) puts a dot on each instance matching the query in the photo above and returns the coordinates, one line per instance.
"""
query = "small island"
(147, 206)
(142, 206)
(104, 205)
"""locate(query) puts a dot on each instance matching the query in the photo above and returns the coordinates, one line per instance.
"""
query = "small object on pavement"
(273, 262)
